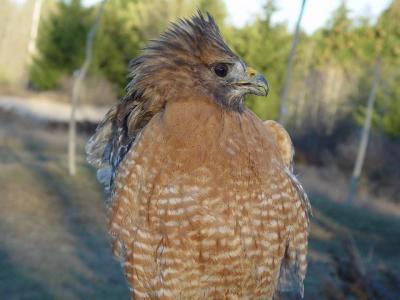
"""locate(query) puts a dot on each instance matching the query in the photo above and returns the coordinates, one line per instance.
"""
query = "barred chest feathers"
(204, 207)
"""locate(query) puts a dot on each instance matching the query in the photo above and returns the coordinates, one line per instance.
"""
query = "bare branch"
(76, 90)
(288, 77)
(365, 134)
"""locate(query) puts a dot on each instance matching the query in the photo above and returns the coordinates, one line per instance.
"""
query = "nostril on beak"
(251, 72)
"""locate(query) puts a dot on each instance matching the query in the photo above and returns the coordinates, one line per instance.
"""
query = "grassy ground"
(54, 244)
(53, 240)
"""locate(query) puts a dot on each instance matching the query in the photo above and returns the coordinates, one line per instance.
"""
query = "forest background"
(332, 80)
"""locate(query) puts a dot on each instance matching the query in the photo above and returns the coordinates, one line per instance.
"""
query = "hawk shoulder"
(282, 140)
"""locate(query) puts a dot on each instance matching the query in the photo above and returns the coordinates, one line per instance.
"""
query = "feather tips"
(98, 148)
(293, 265)
(114, 136)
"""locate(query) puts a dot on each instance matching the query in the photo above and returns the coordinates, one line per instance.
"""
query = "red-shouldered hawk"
(203, 201)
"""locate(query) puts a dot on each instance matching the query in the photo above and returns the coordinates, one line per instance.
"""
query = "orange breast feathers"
(205, 206)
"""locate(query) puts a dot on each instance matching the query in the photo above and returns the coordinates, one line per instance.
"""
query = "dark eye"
(221, 70)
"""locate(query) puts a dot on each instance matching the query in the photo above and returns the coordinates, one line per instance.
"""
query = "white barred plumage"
(204, 204)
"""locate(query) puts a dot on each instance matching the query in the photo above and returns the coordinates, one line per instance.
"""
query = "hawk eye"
(221, 69)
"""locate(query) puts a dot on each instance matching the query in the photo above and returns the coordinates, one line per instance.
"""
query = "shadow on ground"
(54, 243)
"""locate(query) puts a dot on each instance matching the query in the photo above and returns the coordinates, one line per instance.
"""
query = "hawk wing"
(283, 141)
(117, 132)
(293, 267)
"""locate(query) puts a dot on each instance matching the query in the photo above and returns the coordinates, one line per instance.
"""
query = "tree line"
(332, 71)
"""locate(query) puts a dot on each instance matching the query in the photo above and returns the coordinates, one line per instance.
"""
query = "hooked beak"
(255, 83)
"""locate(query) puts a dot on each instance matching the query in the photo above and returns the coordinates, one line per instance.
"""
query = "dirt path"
(52, 111)
(53, 242)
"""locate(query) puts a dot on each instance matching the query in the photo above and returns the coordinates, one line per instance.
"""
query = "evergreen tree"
(331, 77)
(388, 32)
(117, 42)
(264, 46)
(60, 44)
(216, 8)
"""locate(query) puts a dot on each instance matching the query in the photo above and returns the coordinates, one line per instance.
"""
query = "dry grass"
(333, 183)
(95, 91)
(54, 243)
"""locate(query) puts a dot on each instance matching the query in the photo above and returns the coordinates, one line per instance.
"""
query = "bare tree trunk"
(283, 108)
(362, 148)
(37, 8)
(76, 90)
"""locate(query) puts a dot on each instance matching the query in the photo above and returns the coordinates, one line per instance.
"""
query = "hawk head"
(191, 57)
(189, 60)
